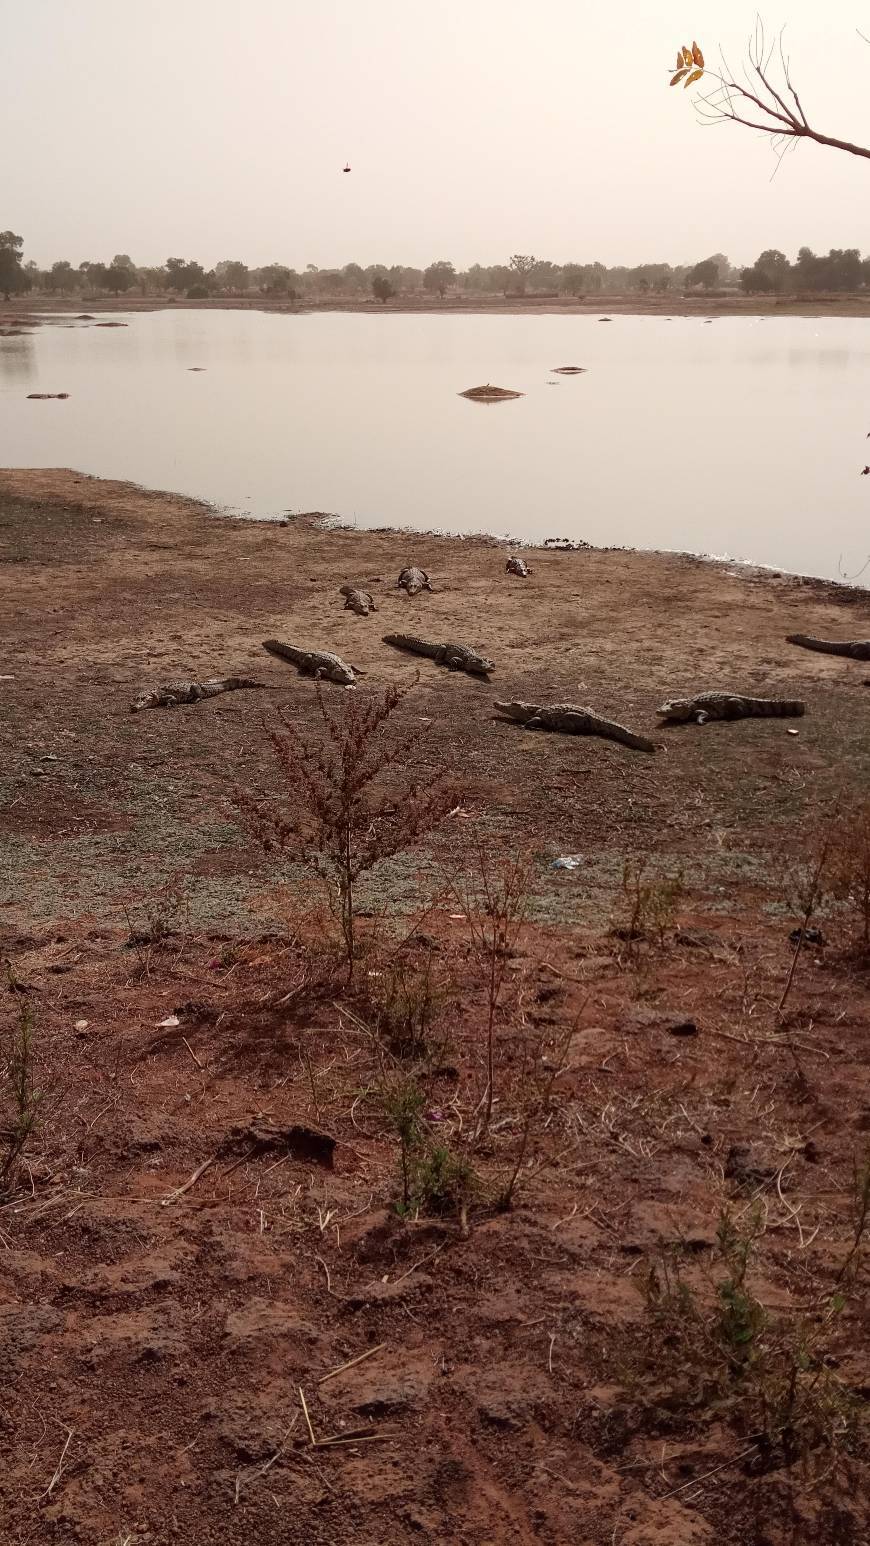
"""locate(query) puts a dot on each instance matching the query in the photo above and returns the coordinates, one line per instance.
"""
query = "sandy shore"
(107, 590)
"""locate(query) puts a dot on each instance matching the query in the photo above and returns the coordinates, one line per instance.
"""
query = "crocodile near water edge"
(356, 600)
(856, 649)
(727, 705)
(456, 657)
(189, 692)
(316, 663)
(571, 719)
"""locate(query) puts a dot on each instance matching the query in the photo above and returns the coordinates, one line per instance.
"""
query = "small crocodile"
(570, 719)
(727, 705)
(518, 566)
(413, 580)
(858, 649)
(316, 663)
(456, 657)
(359, 601)
(189, 692)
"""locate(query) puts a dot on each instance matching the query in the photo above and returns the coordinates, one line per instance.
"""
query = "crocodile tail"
(407, 641)
(286, 651)
(824, 646)
(615, 732)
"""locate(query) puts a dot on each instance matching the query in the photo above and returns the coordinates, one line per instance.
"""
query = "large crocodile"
(456, 657)
(727, 705)
(189, 692)
(570, 719)
(316, 663)
(360, 601)
(858, 649)
(413, 580)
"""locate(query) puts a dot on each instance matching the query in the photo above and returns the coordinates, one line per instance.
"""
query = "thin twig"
(305, 1411)
(180, 1190)
(328, 1275)
(422, 1262)
(192, 1053)
(370, 1353)
(735, 1460)
(267, 1464)
(58, 1472)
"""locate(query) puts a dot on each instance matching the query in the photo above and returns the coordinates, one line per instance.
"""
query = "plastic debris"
(567, 862)
(169, 1023)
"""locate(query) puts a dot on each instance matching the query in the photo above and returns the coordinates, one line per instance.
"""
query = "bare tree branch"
(731, 100)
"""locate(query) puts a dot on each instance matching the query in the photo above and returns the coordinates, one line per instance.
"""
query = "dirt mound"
(489, 394)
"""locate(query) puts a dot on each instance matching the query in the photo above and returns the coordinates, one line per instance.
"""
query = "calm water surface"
(744, 438)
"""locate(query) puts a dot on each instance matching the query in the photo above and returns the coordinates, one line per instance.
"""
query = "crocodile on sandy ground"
(413, 580)
(316, 663)
(518, 566)
(727, 705)
(189, 692)
(356, 600)
(857, 649)
(571, 719)
(456, 657)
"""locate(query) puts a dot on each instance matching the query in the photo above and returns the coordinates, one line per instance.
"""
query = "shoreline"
(108, 589)
(845, 590)
(20, 308)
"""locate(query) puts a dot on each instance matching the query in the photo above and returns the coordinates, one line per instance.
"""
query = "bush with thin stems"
(724, 1350)
(850, 865)
(21, 1099)
(494, 898)
(339, 813)
(807, 885)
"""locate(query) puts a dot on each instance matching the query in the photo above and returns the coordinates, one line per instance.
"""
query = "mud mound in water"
(489, 394)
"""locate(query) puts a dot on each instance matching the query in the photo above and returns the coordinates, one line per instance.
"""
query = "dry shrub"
(850, 866)
(20, 1100)
(494, 898)
(338, 811)
(650, 902)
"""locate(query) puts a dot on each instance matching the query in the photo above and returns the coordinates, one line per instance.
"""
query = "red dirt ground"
(521, 1385)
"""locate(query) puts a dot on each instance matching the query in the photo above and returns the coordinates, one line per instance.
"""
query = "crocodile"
(857, 649)
(456, 657)
(518, 566)
(571, 719)
(413, 580)
(360, 601)
(316, 663)
(189, 692)
(727, 705)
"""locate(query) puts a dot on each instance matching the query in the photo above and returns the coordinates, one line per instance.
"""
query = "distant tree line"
(772, 273)
(522, 274)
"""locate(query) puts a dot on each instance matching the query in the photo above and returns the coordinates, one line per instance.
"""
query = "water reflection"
(16, 358)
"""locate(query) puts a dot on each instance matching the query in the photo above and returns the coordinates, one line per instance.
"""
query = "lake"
(742, 438)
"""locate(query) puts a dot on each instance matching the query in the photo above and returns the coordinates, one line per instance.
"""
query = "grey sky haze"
(214, 129)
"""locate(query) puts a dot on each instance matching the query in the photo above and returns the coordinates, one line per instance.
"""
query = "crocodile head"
(678, 711)
(517, 710)
(480, 665)
(344, 675)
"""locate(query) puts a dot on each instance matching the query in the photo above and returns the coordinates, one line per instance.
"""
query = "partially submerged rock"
(489, 394)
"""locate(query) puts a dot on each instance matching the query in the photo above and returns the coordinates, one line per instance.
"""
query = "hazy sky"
(214, 129)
